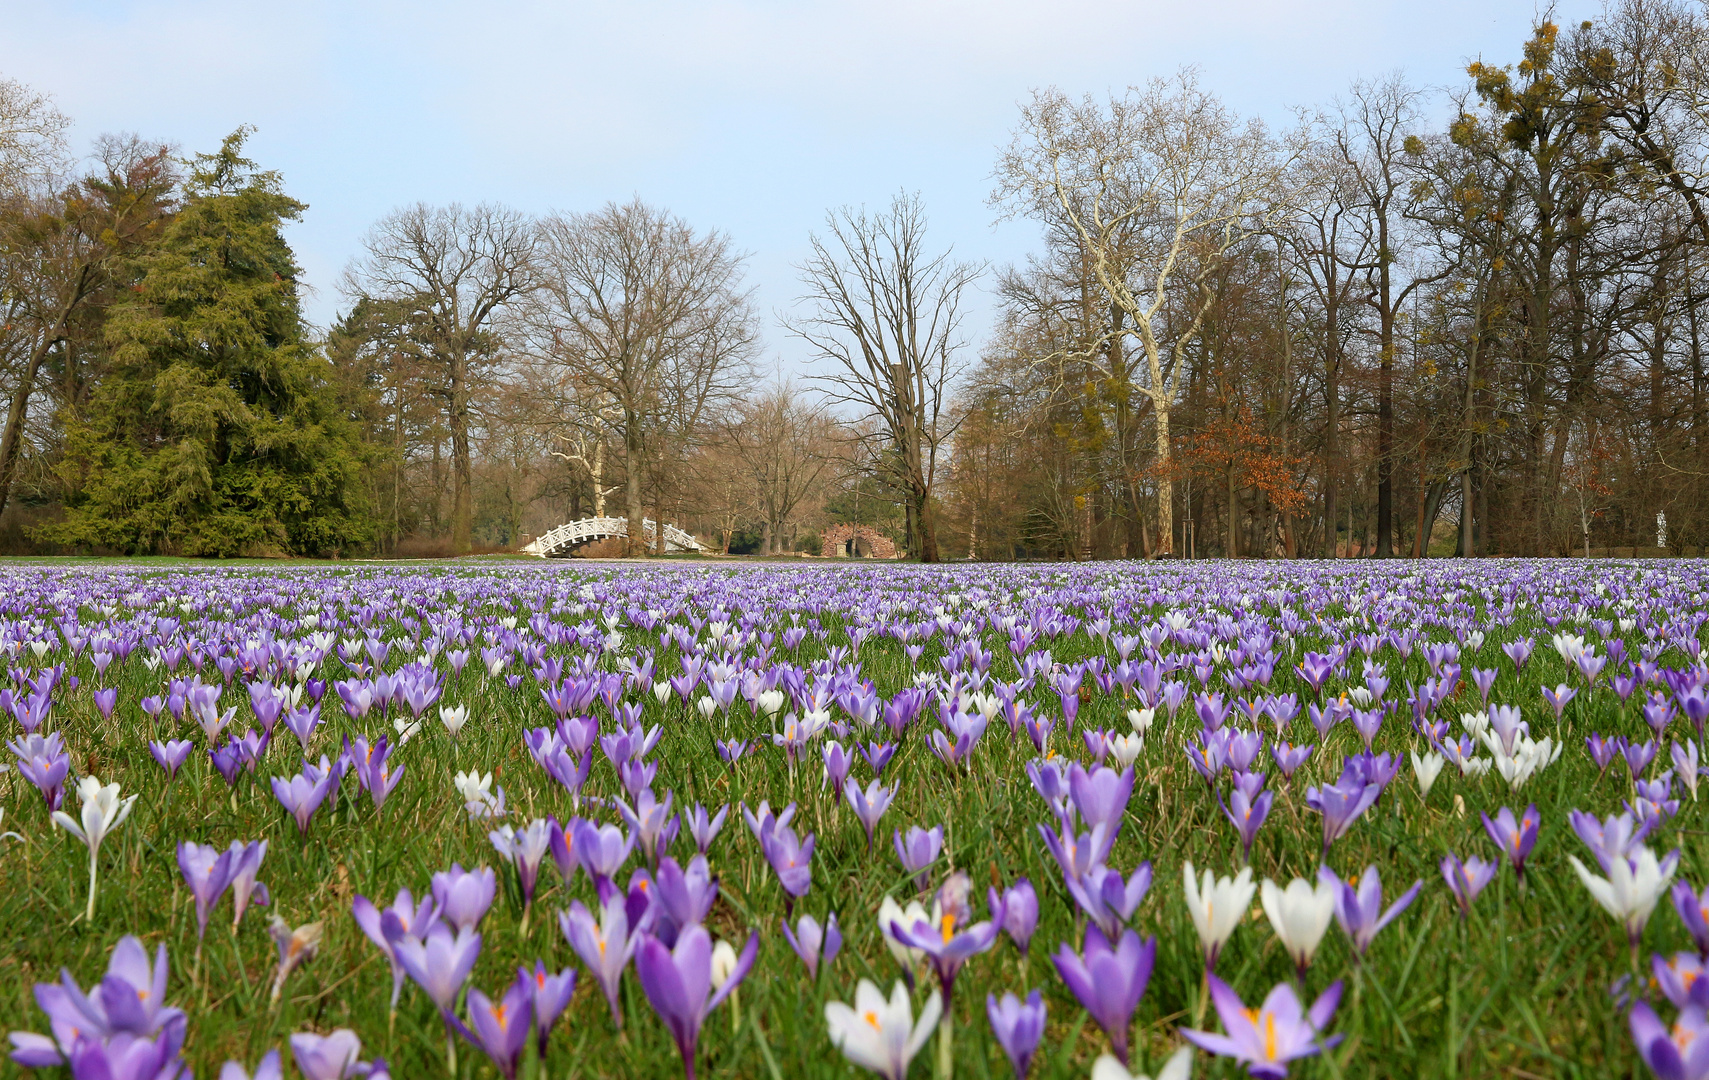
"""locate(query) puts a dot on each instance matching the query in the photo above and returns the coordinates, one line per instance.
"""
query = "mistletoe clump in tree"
(217, 431)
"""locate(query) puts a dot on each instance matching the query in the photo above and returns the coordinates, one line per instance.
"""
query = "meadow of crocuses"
(1110, 820)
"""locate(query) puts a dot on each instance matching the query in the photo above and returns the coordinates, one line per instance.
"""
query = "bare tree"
(889, 314)
(58, 254)
(648, 315)
(32, 140)
(450, 271)
(1157, 184)
(781, 442)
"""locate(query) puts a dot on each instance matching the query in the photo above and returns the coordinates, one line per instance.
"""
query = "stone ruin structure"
(856, 541)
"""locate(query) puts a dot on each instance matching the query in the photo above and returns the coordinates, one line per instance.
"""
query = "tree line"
(1408, 323)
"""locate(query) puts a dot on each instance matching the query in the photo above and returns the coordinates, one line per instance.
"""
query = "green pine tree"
(217, 431)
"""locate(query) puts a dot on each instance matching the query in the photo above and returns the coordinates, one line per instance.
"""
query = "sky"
(753, 117)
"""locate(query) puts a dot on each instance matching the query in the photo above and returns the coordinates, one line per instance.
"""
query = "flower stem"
(946, 1045)
(89, 913)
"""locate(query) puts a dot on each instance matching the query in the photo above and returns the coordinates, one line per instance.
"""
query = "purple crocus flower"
(411, 918)
(1076, 854)
(731, 750)
(1341, 804)
(1019, 908)
(649, 822)
(1289, 757)
(129, 1057)
(837, 764)
(500, 1029)
(1247, 816)
(1360, 910)
(1677, 1053)
(1693, 908)
(303, 793)
(813, 943)
(245, 867)
(681, 898)
(372, 770)
(42, 761)
(1101, 796)
(792, 860)
(227, 760)
(1681, 979)
(207, 871)
(602, 849)
(1049, 778)
(1638, 756)
(1603, 751)
(951, 938)
(703, 829)
(919, 852)
(548, 996)
(329, 1057)
(105, 700)
(1109, 981)
(268, 1068)
(1467, 879)
(678, 984)
(1265, 1039)
(302, 723)
(1614, 838)
(463, 896)
(1018, 1026)
(869, 805)
(171, 754)
(1559, 697)
(130, 1001)
(877, 756)
(604, 946)
(439, 962)
(525, 850)
(1514, 838)
(1107, 899)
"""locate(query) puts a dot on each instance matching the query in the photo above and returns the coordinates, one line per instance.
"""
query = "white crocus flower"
(1141, 719)
(474, 786)
(1570, 646)
(1217, 905)
(1178, 1067)
(770, 702)
(882, 1035)
(1475, 723)
(889, 911)
(1299, 914)
(103, 811)
(406, 729)
(1126, 748)
(662, 692)
(723, 963)
(706, 706)
(1631, 889)
(454, 717)
(1426, 768)
(1529, 755)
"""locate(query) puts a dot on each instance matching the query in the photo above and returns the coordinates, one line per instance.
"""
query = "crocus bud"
(723, 963)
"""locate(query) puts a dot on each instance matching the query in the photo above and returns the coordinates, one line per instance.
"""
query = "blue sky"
(749, 116)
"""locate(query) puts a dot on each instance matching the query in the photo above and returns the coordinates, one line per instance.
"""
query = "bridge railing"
(587, 530)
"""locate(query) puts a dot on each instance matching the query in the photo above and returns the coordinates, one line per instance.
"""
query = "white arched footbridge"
(565, 539)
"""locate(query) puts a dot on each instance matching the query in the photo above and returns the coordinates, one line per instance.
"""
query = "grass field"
(1528, 985)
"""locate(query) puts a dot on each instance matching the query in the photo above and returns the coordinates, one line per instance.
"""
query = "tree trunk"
(636, 545)
(17, 412)
(1165, 483)
(462, 481)
(923, 522)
